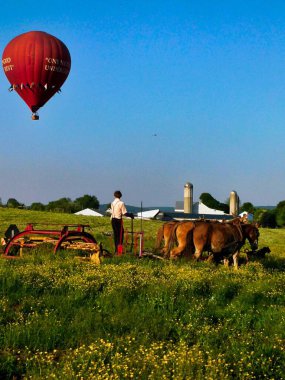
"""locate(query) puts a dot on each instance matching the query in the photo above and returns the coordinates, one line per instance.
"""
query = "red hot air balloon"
(36, 65)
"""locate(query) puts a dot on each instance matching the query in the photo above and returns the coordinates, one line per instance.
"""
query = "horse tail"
(172, 239)
(159, 237)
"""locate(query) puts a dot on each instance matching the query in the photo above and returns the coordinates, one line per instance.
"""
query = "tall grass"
(137, 318)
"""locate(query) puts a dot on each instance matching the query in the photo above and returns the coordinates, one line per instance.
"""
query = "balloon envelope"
(36, 65)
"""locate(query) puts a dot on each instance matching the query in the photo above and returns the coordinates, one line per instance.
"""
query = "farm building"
(198, 208)
(187, 210)
(149, 214)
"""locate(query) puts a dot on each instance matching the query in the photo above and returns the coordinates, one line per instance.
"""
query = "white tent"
(88, 212)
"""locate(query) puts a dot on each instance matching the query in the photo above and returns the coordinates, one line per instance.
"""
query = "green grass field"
(132, 318)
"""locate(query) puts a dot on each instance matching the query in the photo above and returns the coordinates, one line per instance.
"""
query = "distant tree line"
(271, 218)
(266, 218)
(65, 205)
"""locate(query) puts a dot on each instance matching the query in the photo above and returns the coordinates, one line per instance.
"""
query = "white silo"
(234, 203)
(188, 198)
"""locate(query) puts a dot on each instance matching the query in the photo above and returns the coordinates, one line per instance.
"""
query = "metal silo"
(234, 203)
(188, 198)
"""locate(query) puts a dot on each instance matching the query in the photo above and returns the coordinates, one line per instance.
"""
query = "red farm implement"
(68, 236)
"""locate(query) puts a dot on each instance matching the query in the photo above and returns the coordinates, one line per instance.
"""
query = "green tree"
(268, 219)
(13, 203)
(37, 206)
(86, 201)
(280, 214)
(248, 207)
(281, 204)
(258, 214)
(61, 205)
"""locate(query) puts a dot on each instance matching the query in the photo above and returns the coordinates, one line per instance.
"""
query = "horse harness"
(236, 241)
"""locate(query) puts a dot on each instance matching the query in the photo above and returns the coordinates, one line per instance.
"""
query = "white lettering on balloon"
(6, 60)
(7, 66)
(58, 69)
(57, 65)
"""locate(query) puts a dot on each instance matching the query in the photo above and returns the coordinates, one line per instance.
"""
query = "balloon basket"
(35, 116)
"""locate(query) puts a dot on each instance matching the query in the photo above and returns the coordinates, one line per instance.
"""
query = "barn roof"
(149, 214)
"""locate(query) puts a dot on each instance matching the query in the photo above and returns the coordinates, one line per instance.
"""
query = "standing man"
(119, 210)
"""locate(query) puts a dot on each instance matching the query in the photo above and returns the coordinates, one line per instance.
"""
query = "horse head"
(251, 233)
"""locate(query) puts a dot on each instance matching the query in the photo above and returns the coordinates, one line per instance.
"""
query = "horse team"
(221, 240)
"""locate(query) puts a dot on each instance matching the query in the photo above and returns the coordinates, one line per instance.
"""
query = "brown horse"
(224, 240)
(181, 235)
(164, 234)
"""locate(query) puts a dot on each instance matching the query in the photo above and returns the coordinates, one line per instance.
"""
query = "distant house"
(88, 212)
(199, 208)
(246, 216)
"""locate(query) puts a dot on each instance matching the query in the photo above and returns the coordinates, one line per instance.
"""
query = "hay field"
(133, 318)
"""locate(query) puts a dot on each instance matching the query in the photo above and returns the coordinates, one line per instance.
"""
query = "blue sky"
(160, 93)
